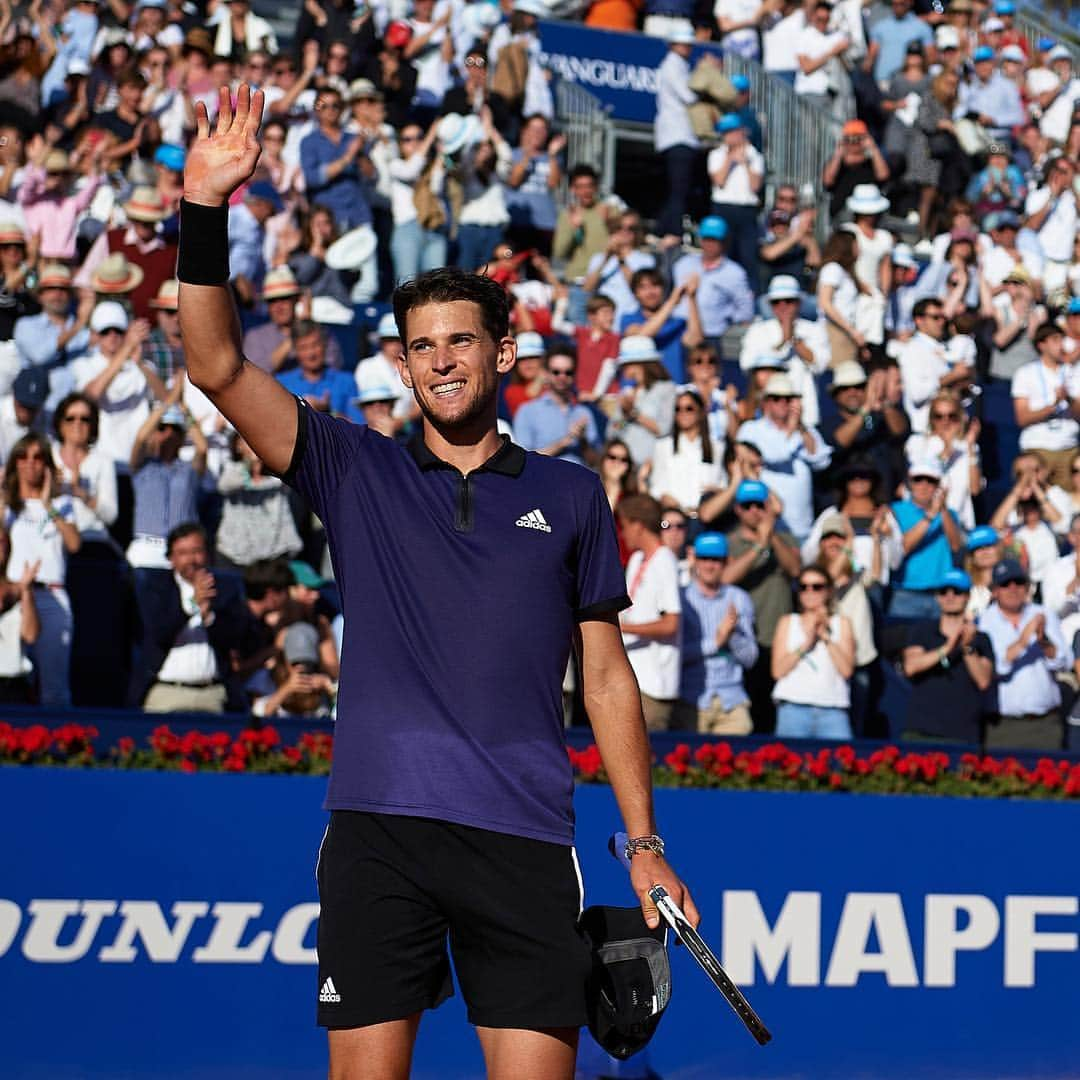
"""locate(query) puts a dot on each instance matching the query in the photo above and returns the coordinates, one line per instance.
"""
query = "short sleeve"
(325, 450)
(983, 646)
(600, 584)
(1020, 387)
(831, 274)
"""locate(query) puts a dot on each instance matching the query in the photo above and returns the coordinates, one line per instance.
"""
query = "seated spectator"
(751, 405)
(924, 364)
(320, 386)
(19, 630)
(788, 247)
(836, 556)
(1045, 396)
(165, 487)
(51, 204)
(1070, 505)
(869, 424)
(856, 160)
(23, 410)
(597, 344)
(989, 96)
(651, 625)
(718, 647)
(16, 300)
(381, 369)
(985, 549)
(933, 538)
(40, 524)
(792, 453)
(1028, 651)
(554, 423)
(163, 350)
(528, 380)
(813, 660)
(686, 466)
(724, 295)
(57, 334)
(1017, 317)
(951, 666)
(954, 440)
(192, 620)
(301, 690)
(645, 408)
(654, 317)
(999, 185)
(899, 322)
(704, 377)
(876, 541)
(247, 238)
(269, 345)
(763, 560)
(611, 270)
(1061, 580)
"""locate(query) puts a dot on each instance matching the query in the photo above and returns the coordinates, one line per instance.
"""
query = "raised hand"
(218, 164)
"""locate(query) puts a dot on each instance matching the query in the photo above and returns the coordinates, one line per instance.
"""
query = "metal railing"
(799, 137)
(590, 134)
(1035, 23)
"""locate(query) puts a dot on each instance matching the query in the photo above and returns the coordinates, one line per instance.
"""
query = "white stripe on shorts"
(580, 882)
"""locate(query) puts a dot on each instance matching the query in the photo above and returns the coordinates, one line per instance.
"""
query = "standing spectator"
(192, 620)
(597, 343)
(651, 625)
(1028, 650)
(1046, 399)
(686, 466)
(242, 31)
(334, 171)
(933, 538)
(269, 345)
(674, 136)
(985, 550)
(674, 532)
(718, 647)
(856, 160)
(1051, 213)
(553, 423)
(838, 291)
(792, 453)
(19, 630)
(1016, 319)
(951, 666)
(611, 270)
(84, 473)
(619, 477)
(763, 561)
(163, 349)
(788, 247)
(645, 408)
(813, 659)
(247, 237)
(1028, 508)
(483, 216)
(815, 49)
(924, 363)
(50, 205)
(581, 230)
(415, 246)
(954, 440)
(890, 38)
(534, 175)
(737, 172)
(724, 296)
(655, 317)
(43, 533)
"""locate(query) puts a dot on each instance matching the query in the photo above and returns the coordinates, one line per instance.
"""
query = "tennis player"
(467, 567)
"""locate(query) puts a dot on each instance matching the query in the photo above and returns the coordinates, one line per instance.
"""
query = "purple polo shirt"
(460, 596)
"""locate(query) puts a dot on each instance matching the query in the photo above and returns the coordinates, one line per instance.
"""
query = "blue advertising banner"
(618, 68)
(163, 925)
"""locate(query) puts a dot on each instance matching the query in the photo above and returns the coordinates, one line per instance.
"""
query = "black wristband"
(203, 257)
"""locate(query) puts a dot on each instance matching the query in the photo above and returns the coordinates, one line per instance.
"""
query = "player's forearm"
(211, 330)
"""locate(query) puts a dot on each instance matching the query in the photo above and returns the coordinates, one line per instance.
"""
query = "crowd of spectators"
(786, 424)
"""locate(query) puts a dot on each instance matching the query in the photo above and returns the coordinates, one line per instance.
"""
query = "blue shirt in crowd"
(344, 194)
(893, 36)
(724, 296)
(336, 387)
(668, 340)
(926, 564)
(546, 420)
(709, 672)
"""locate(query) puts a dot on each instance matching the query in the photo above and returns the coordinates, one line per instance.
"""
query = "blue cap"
(263, 189)
(751, 491)
(957, 579)
(729, 122)
(1008, 570)
(713, 228)
(31, 387)
(982, 536)
(741, 83)
(1004, 7)
(172, 157)
(1045, 44)
(983, 52)
(711, 545)
(1074, 306)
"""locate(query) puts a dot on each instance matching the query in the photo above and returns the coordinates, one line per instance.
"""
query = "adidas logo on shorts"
(534, 519)
(328, 995)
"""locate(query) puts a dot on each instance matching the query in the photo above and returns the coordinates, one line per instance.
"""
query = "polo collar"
(508, 460)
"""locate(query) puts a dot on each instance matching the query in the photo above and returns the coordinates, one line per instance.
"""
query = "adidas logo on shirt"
(328, 995)
(534, 519)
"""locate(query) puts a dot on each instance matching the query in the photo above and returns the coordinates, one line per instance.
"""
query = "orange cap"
(854, 127)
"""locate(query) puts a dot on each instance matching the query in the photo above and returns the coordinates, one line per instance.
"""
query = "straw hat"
(54, 276)
(146, 204)
(168, 296)
(116, 275)
(280, 284)
(11, 232)
(56, 161)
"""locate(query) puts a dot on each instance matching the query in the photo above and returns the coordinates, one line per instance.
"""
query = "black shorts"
(394, 889)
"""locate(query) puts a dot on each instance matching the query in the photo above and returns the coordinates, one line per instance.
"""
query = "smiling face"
(452, 364)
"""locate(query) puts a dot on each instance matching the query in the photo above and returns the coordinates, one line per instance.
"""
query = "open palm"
(218, 164)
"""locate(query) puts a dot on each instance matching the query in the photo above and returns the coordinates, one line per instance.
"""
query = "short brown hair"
(641, 508)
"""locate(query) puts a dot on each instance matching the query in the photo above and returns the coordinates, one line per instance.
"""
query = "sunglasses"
(77, 418)
(944, 416)
(566, 373)
(936, 318)
(951, 590)
(703, 362)
(617, 457)
(110, 330)
(29, 457)
(686, 408)
(752, 505)
(409, 138)
(924, 480)
(1012, 583)
(812, 586)
(672, 524)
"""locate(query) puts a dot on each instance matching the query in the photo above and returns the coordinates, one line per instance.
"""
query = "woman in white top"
(813, 659)
(483, 216)
(686, 466)
(85, 474)
(838, 292)
(43, 534)
(412, 247)
(873, 261)
(953, 440)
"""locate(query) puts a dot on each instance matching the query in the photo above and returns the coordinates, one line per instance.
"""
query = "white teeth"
(448, 388)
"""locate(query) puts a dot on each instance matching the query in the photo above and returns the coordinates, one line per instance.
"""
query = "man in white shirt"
(738, 22)
(924, 363)
(1061, 583)
(1046, 400)
(382, 370)
(1006, 255)
(1051, 214)
(814, 49)
(737, 172)
(1028, 649)
(651, 625)
(675, 140)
